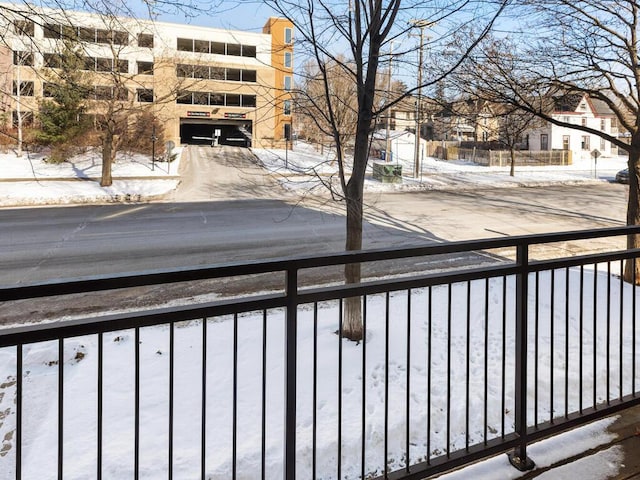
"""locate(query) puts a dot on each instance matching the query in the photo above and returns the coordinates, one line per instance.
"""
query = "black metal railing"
(456, 365)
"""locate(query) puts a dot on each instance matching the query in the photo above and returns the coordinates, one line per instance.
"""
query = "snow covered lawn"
(449, 349)
(301, 167)
(29, 180)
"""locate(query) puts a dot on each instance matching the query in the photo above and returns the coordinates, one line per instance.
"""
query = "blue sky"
(242, 15)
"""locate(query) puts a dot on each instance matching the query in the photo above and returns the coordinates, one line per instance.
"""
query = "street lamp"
(421, 24)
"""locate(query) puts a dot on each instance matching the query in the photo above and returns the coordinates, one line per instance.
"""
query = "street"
(44, 244)
(65, 242)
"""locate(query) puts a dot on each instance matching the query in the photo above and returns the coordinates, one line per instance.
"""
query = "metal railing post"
(518, 457)
(290, 374)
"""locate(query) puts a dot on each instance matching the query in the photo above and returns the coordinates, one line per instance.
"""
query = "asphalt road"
(40, 244)
(65, 242)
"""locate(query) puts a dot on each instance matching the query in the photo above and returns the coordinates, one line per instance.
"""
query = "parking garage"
(215, 132)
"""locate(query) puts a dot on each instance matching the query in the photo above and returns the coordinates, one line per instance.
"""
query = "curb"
(85, 179)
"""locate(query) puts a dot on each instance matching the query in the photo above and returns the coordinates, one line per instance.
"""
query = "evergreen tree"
(61, 114)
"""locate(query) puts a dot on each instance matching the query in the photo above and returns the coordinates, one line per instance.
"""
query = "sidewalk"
(30, 181)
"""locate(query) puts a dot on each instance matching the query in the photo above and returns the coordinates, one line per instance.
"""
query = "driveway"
(223, 173)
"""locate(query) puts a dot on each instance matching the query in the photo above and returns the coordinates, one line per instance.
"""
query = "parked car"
(623, 176)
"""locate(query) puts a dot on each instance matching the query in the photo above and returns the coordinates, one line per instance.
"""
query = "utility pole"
(387, 156)
(421, 24)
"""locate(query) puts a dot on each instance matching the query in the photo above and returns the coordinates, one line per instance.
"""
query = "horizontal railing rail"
(441, 377)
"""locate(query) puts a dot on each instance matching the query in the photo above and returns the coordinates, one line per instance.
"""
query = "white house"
(402, 145)
(576, 109)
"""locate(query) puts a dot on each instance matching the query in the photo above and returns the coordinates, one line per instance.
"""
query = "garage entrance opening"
(212, 132)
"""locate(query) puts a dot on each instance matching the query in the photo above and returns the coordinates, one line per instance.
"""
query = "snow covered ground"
(31, 181)
(428, 360)
(298, 168)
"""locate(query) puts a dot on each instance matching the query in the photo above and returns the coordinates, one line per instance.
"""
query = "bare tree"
(312, 105)
(580, 47)
(513, 123)
(360, 31)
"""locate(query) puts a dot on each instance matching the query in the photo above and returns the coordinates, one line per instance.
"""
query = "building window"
(544, 141)
(584, 122)
(105, 92)
(585, 142)
(23, 27)
(233, 100)
(288, 35)
(26, 117)
(287, 83)
(602, 145)
(184, 98)
(200, 98)
(120, 37)
(234, 49)
(145, 68)
(103, 36)
(216, 73)
(288, 60)
(184, 71)
(185, 45)
(249, 76)
(201, 46)
(603, 124)
(218, 48)
(145, 40)
(102, 65)
(23, 58)
(122, 66)
(248, 100)
(248, 51)
(287, 107)
(233, 74)
(51, 30)
(115, 37)
(89, 63)
(566, 142)
(52, 60)
(101, 92)
(144, 95)
(99, 35)
(89, 35)
(216, 99)
(26, 89)
(201, 71)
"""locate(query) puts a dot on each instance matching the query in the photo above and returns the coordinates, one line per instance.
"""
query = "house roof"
(568, 102)
(600, 108)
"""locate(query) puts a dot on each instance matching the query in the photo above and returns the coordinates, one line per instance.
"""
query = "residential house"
(576, 109)
(466, 121)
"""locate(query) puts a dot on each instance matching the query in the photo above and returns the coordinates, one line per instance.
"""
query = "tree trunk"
(632, 266)
(352, 321)
(107, 159)
(512, 172)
